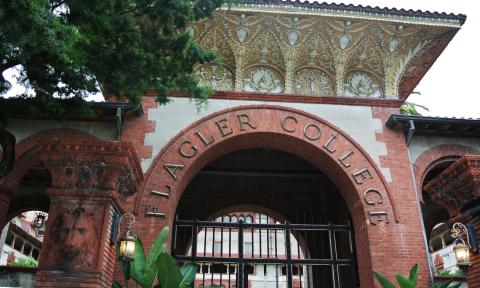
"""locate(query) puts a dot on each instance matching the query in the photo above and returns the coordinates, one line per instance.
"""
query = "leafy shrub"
(25, 262)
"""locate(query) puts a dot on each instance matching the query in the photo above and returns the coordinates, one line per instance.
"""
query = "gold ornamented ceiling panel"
(271, 49)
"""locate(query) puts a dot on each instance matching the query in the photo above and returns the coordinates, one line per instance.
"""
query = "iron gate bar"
(266, 260)
(302, 230)
(316, 227)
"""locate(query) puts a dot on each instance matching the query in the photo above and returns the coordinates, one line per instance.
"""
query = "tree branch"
(53, 7)
(9, 64)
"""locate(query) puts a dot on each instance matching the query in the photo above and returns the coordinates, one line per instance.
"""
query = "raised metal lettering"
(172, 169)
(362, 175)
(152, 211)
(344, 157)
(283, 123)
(327, 145)
(223, 126)
(315, 136)
(204, 141)
(373, 197)
(377, 217)
(243, 119)
(163, 194)
(193, 149)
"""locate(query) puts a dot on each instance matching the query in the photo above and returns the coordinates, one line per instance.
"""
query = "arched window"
(249, 219)
(234, 219)
(226, 219)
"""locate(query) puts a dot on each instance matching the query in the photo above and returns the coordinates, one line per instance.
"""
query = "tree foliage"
(66, 48)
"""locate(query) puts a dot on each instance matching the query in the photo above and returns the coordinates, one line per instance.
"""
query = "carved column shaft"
(289, 67)
(239, 68)
(89, 178)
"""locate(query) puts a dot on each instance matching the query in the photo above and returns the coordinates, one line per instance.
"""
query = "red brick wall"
(135, 128)
(410, 227)
(392, 247)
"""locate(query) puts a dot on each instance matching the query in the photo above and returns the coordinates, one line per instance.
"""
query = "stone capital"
(96, 168)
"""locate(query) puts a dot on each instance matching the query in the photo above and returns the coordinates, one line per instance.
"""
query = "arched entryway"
(295, 230)
(305, 136)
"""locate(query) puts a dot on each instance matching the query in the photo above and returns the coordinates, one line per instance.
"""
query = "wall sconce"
(462, 247)
(126, 245)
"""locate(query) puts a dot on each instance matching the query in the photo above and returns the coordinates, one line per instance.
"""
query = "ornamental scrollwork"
(359, 84)
(393, 56)
(262, 79)
(219, 78)
(313, 82)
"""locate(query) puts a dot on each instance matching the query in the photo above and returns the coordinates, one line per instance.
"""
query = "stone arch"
(27, 156)
(304, 135)
(27, 152)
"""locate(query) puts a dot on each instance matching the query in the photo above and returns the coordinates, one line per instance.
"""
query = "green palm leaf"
(383, 280)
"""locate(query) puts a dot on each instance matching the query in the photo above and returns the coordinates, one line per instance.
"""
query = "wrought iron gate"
(291, 255)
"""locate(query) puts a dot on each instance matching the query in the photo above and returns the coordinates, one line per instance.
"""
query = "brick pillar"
(90, 181)
(5, 197)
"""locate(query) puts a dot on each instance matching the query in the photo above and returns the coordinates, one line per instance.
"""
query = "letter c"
(284, 124)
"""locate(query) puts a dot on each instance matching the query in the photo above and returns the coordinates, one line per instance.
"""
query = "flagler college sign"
(174, 161)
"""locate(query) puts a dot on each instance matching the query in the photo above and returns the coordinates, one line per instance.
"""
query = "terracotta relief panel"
(74, 234)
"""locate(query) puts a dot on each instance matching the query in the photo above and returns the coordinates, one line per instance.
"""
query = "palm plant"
(410, 282)
(157, 264)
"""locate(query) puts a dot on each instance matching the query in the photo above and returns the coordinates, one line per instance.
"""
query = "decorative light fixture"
(39, 219)
(462, 247)
(126, 245)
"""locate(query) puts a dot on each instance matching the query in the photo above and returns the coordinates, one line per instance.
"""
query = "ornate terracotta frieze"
(97, 166)
(265, 51)
(458, 185)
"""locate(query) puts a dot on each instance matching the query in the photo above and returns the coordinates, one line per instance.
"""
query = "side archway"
(304, 135)
(436, 155)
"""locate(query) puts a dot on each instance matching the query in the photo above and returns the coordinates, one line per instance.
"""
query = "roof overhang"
(435, 126)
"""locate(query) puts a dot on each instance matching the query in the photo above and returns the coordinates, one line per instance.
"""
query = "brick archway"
(304, 135)
(433, 156)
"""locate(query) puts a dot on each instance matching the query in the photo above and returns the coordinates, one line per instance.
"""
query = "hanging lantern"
(461, 248)
(462, 254)
(126, 245)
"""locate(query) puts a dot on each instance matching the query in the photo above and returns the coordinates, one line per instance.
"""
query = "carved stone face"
(77, 229)
(75, 236)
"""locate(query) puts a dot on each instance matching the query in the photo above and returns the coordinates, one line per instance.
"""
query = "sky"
(449, 87)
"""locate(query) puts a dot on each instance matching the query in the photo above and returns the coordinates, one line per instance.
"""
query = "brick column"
(5, 197)
(90, 180)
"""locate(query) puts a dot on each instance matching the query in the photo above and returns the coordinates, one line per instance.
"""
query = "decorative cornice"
(458, 185)
(102, 166)
(357, 11)
(295, 98)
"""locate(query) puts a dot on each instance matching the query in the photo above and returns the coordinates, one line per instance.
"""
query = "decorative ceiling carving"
(458, 185)
(269, 51)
